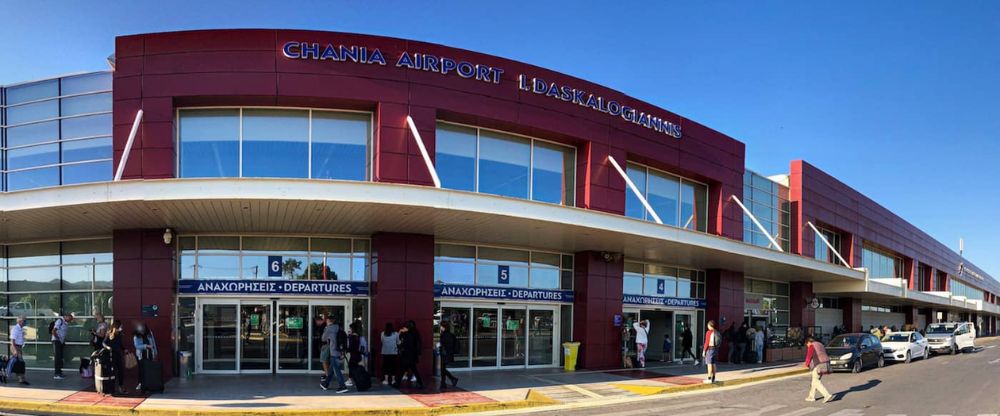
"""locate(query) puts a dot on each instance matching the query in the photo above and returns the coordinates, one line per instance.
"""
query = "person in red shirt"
(710, 350)
(819, 364)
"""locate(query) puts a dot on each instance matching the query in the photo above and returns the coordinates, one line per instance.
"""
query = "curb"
(653, 390)
(533, 399)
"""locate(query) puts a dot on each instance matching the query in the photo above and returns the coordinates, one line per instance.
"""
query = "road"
(965, 384)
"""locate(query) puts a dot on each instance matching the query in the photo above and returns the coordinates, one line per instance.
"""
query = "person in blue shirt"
(667, 348)
(145, 347)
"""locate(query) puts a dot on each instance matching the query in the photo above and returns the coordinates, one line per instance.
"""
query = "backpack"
(52, 327)
(341, 340)
(715, 340)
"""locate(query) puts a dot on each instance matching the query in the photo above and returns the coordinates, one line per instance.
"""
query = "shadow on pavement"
(867, 386)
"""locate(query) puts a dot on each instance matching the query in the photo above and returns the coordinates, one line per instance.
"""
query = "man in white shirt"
(59, 332)
(16, 348)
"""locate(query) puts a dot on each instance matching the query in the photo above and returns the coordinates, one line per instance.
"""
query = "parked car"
(854, 352)
(905, 346)
(951, 337)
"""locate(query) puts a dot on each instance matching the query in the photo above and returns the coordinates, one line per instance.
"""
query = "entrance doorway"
(661, 323)
(503, 335)
(262, 335)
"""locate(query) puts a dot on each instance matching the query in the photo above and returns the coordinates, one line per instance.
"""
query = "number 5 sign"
(503, 275)
(274, 266)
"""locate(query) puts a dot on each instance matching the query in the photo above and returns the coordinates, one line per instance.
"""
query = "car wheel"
(927, 353)
(907, 358)
(954, 349)
(858, 366)
(881, 361)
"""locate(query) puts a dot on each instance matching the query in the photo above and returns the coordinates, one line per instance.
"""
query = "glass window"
(34, 178)
(209, 143)
(551, 177)
(87, 252)
(98, 81)
(504, 163)
(633, 206)
(33, 133)
(768, 201)
(662, 194)
(881, 264)
(86, 126)
(32, 112)
(455, 158)
(31, 92)
(275, 143)
(31, 156)
(693, 206)
(218, 267)
(89, 149)
(84, 104)
(663, 281)
(458, 264)
(677, 201)
(340, 145)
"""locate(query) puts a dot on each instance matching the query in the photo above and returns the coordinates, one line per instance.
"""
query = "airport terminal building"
(230, 186)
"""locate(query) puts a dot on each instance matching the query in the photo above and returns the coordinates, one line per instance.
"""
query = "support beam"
(757, 223)
(827, 242)
(423, 152)
(128, 146)
(635, 190)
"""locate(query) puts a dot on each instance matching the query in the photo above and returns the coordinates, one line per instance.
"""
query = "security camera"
(168, 236)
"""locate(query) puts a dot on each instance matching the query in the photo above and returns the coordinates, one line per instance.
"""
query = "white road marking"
(764, 409)
(849, 412)
(660, 409)
(704, 412)
(987, 414)
(802, 411)
(995, 361)
(988, 347)
(583, 391)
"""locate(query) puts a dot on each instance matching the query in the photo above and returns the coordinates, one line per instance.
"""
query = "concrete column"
(724, 294)
(403, 290)
(801, 314)
(852, 314)
(911, 313)
(144, 276)
(598, 285)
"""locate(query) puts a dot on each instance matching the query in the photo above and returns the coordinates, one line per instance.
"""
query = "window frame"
(369, 140)
(570, 198)
(476, 263)
(700, 280)
(680, 191)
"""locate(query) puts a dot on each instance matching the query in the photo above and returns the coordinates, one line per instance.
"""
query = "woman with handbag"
(113, 342)
(818, 363)
(145, 349)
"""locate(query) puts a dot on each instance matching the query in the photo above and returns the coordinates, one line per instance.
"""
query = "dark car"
(854, 352)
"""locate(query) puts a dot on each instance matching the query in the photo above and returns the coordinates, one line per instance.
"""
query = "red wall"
(598, 286)
(826, 201)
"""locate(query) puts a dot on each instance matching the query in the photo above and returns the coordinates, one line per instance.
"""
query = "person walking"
(98, 333)
(687, 343)
(59, 329)
(758, 344)
(355, 354)
(409, 353)
(113, 343)
(390, 354)
(641, 341)
(818, 363)
(668, 348)
(336, 341)
(145, 348)
(711, 348)
(319, 327)
(17, 350)
(730, 336)
(449, 347)
(741, 342)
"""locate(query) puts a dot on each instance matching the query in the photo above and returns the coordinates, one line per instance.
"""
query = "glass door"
(217, 334)
(684, 320)
(542, 335)
(255, 337)
(461, 327)
(318, 312)
(291, 339)
(484, 336)
(513, 337)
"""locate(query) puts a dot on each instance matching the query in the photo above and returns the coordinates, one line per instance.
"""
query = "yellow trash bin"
(570, 351)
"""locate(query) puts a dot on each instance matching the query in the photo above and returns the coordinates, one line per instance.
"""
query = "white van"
(951, 337)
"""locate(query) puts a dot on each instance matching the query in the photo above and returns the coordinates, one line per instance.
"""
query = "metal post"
(635, 190)
(128, 146)
(757, 223)
(423, 151)
(827, 242)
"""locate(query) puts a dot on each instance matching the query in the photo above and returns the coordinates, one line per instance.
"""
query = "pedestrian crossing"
(713, 408)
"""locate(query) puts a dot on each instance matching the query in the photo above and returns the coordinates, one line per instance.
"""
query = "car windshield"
(843, 341)
(941, 328)
(896, 338)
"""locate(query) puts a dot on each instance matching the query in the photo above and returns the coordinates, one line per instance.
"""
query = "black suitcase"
(362, 380)
(152, 376)
(18, 367)
(104, 374)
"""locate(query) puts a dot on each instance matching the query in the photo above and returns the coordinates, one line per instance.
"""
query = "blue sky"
(897, 99)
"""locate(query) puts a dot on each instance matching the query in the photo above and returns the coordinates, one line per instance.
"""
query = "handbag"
(130, 360)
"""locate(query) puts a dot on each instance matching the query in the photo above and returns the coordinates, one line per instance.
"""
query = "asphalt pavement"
(964, 384)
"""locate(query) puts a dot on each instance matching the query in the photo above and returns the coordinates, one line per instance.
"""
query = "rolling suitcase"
(104, 374)
(362, 380)
(152, 376)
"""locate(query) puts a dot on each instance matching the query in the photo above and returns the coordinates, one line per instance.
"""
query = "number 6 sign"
(274, 266)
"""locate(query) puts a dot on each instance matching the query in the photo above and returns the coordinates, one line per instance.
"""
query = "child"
(667, 348)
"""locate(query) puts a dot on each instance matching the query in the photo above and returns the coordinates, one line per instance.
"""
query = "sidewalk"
(300, 394)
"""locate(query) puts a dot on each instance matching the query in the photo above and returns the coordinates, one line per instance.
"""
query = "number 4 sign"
(274, 266)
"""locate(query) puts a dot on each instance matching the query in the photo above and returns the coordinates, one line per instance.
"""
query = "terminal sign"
(665, 301)
(273, 287)
(483, 292)
(503, 275)
(274, 266)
